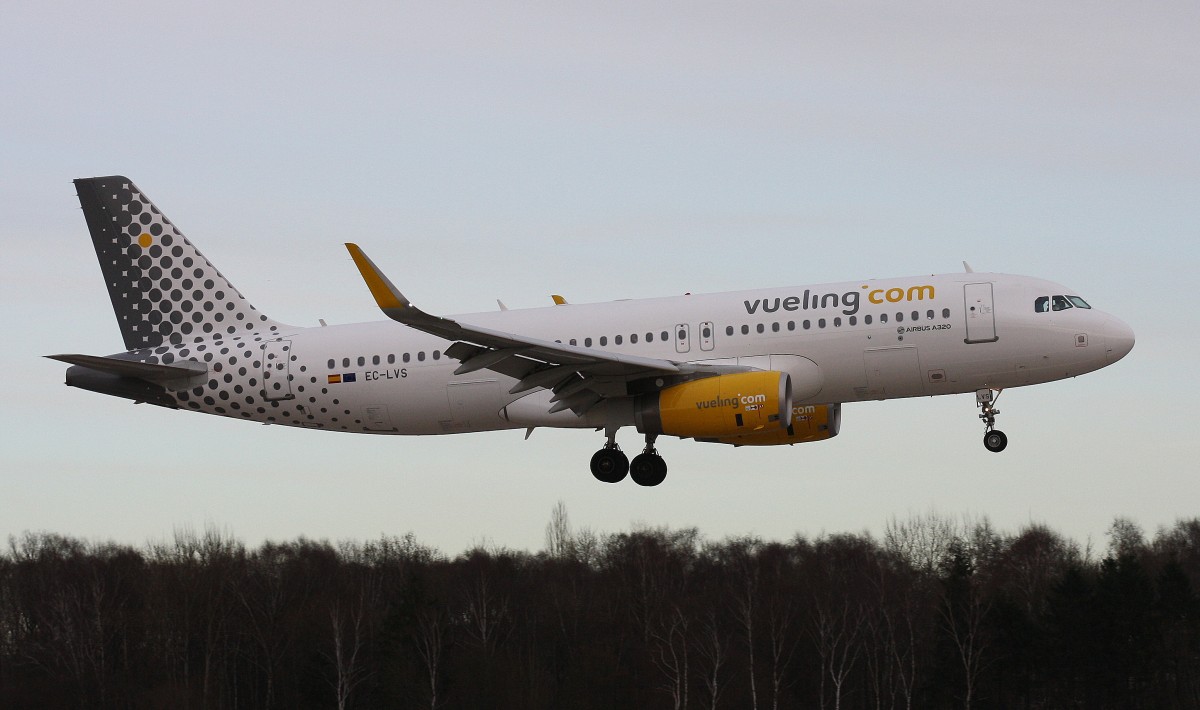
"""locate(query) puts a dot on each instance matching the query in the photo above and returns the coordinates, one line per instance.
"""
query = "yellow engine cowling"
(720, 406)
(809, 423)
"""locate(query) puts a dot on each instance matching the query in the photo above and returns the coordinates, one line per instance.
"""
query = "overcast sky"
(602, 151)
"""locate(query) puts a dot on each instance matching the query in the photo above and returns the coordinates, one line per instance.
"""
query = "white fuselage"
(844, 342)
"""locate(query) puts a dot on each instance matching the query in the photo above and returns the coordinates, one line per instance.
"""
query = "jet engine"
(809, 423)
(744, 403)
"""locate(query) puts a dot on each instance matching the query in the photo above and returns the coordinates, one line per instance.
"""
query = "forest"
(935, 612)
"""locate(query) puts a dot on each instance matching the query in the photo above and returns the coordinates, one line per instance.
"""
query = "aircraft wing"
(580, 377)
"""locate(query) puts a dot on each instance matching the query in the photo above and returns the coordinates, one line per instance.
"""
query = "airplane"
(761, 367)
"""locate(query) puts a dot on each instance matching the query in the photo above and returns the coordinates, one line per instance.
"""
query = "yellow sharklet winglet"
(386, 295)
(558, 300)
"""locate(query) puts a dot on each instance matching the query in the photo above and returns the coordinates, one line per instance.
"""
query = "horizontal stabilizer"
(182, 370)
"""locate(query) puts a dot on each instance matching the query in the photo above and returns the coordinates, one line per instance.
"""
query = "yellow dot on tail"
(145, 240)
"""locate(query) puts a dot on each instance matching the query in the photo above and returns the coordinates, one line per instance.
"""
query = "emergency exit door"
(980, 313)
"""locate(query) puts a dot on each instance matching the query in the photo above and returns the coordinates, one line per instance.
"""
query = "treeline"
(939, 613)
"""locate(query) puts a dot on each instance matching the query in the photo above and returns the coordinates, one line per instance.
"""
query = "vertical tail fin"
(162, 288)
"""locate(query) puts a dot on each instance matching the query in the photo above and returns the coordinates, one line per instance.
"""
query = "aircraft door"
(683, 338)
(706, 335)
(980, 314)
(276, 383)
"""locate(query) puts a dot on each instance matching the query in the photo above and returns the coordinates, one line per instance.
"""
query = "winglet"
(558, 300)
(386, 295)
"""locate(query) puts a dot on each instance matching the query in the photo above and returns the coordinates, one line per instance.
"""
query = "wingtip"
(386, 295)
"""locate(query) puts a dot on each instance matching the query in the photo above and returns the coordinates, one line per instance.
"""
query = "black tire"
(648, 469)
(995, 441)
(610, 465)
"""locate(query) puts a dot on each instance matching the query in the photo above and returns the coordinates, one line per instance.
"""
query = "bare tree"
(740, 558)
(669, 637)
(350, 619)
(485, 613)
(963, 611)
(712, 647)
(921, 541)
(560, 543)
(429, 636)
(782, 611)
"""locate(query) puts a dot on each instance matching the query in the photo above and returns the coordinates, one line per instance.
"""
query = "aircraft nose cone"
(1119, 338)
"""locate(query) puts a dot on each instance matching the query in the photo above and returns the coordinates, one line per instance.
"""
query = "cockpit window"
(1045, 304)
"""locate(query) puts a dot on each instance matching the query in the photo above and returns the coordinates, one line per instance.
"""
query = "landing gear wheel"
(648, 469)
(995, 441)
(610, 465)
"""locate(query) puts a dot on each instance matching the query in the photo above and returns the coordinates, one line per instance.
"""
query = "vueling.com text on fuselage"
(849, 301)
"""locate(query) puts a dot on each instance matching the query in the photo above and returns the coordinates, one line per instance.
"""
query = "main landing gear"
(610, 465)
(994, 440)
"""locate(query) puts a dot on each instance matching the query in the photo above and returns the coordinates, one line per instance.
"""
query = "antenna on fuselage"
(968, 268)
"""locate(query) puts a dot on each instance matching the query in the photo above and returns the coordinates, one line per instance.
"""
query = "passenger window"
(587, 342)
(375, 360)
(807, 324)
(391, 358)
(1041, 304)
(853, 320)
(945, 312)
(821, 323)
(437, 354)
(421, 356)
(867, 320)
(345, 362)
(573, 342)
(759, 327)
(666, 336)
(916, 315)
(899, 317)
(729, 330)
(633, 338)
(775, 327)
(745, 330)
(649, 337)
(361, 361)
(332, 364)
(883, 318)
(929, 314)
(406, 357)
(603, 340)
(837, 322)
(617, 340)
(791, 325)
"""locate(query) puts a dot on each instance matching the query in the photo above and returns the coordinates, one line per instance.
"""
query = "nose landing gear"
(994, 440)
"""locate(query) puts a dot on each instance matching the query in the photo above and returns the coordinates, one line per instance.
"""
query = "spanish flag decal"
(335, 379)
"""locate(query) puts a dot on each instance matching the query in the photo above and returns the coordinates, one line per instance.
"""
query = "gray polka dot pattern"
(162, 288)
(173, 306)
